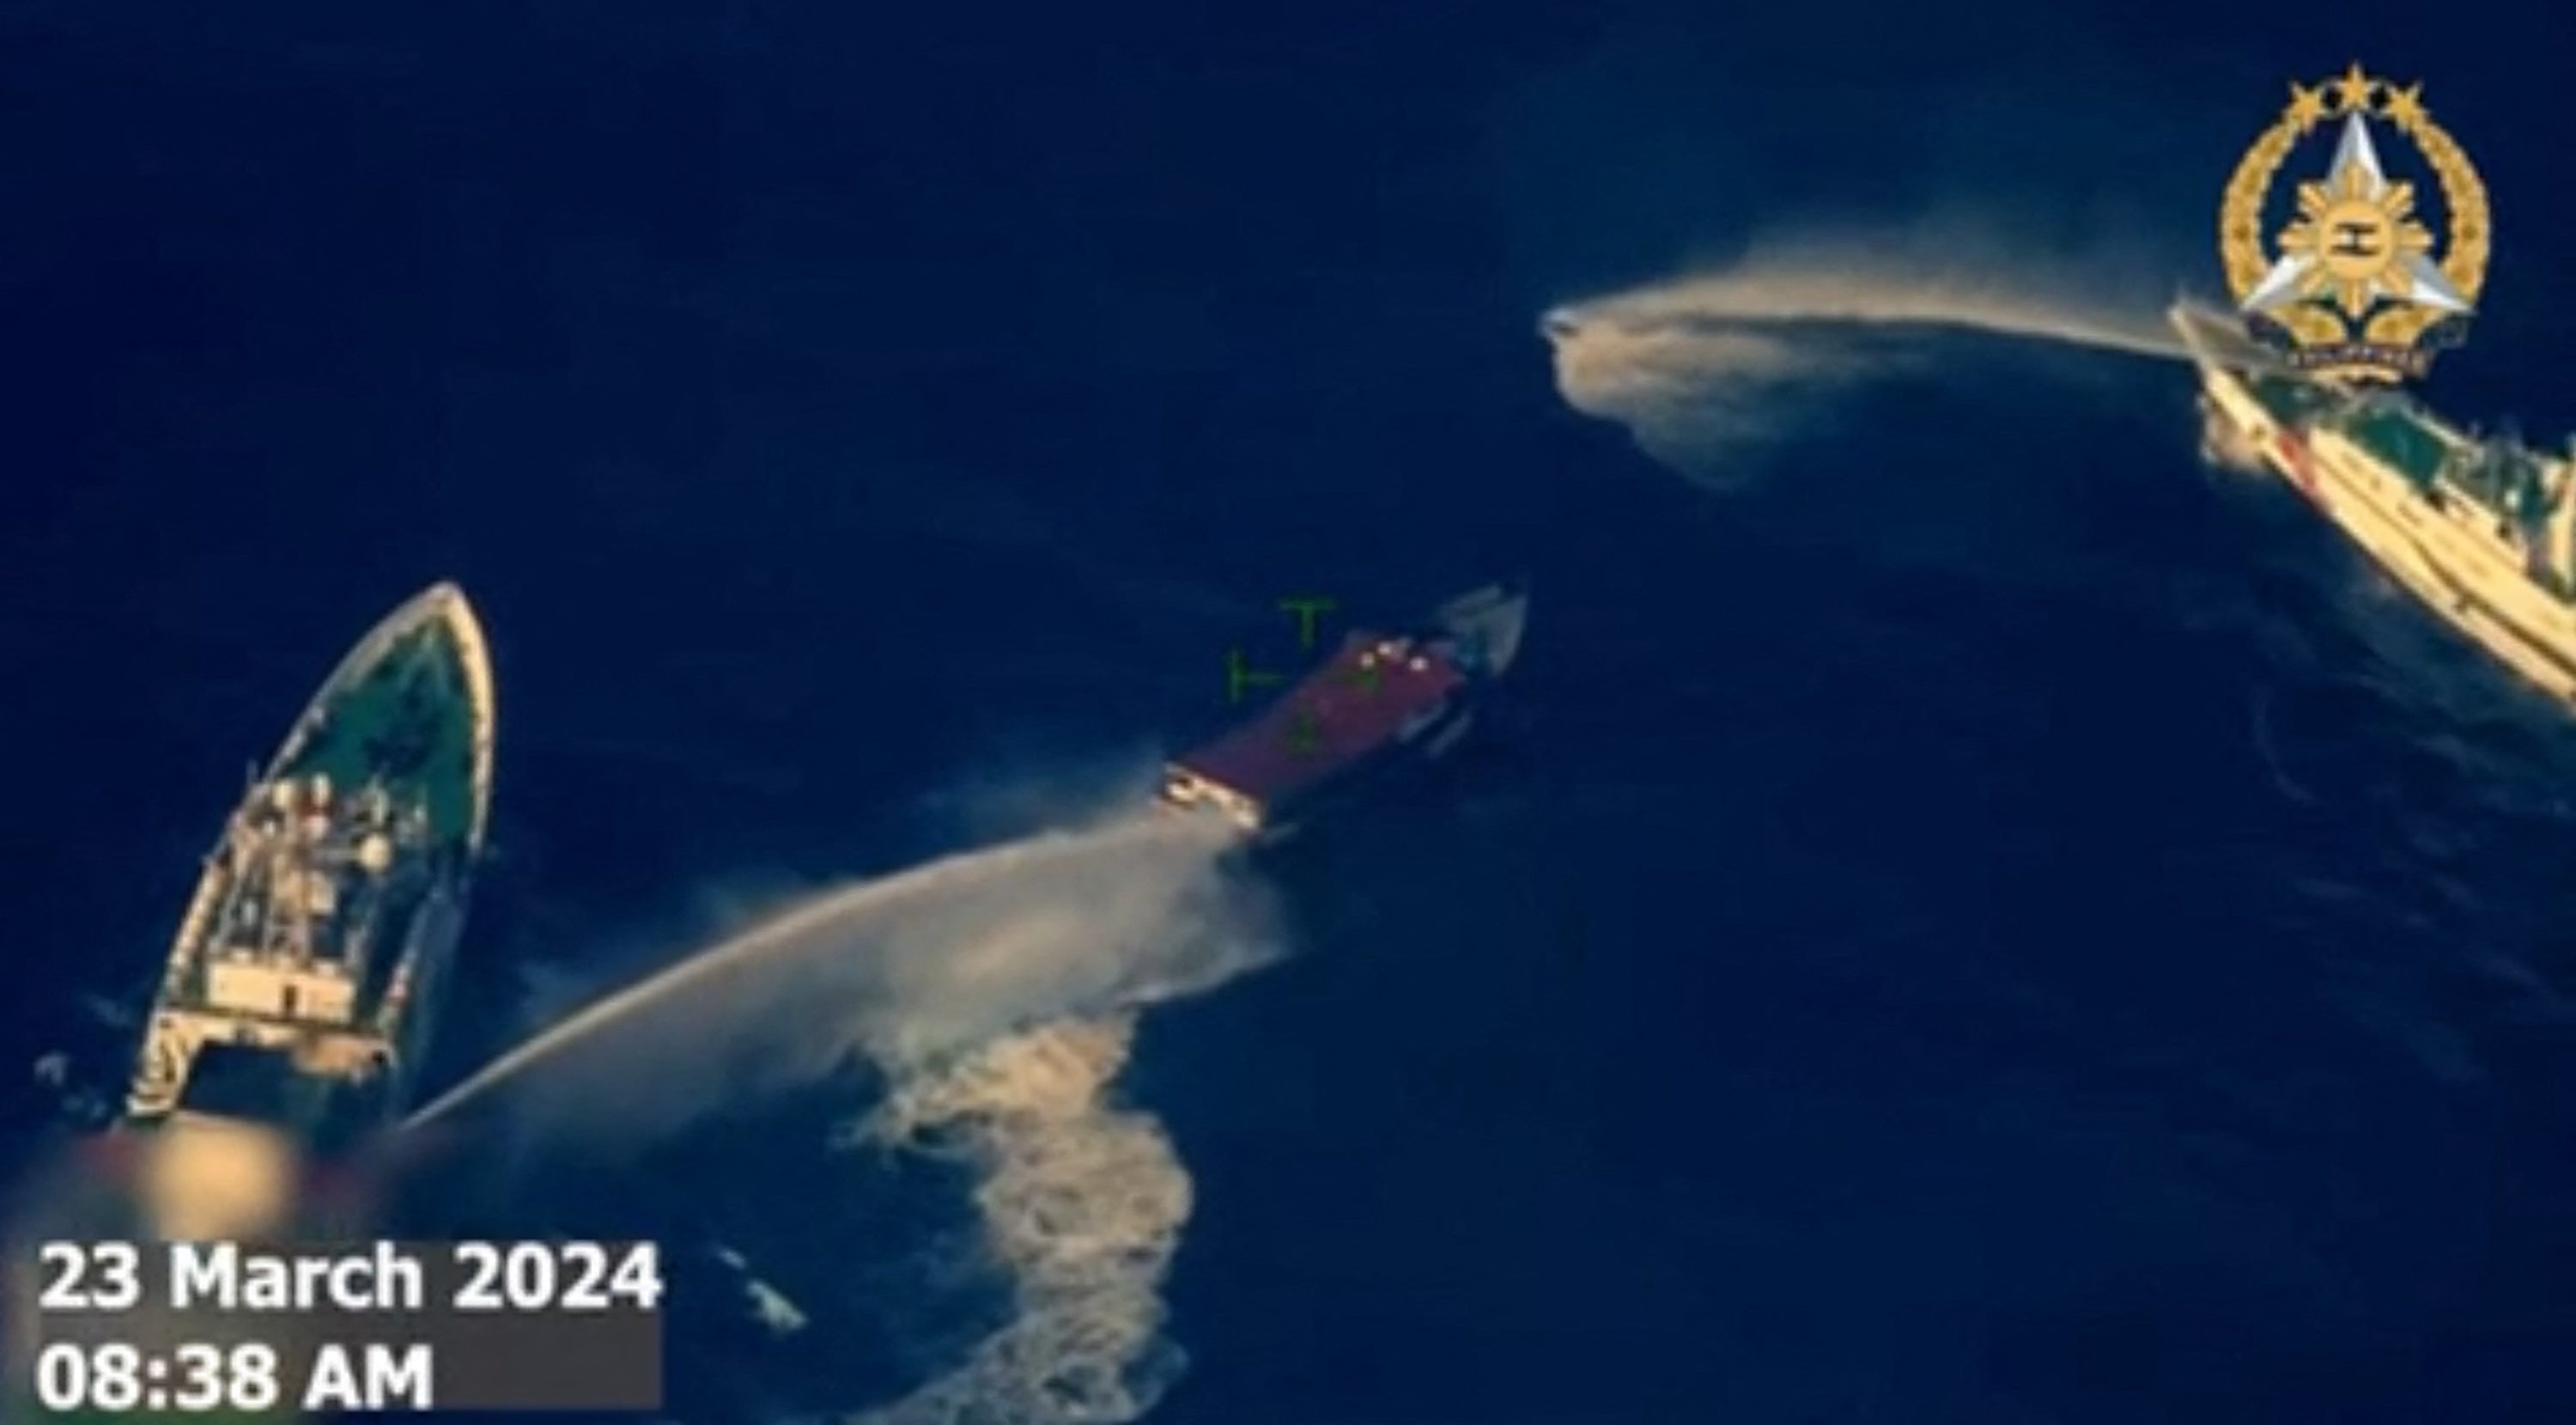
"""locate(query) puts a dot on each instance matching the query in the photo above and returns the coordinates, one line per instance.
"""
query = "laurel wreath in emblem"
(2464, 197)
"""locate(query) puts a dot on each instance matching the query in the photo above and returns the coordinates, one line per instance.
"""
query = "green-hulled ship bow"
(411, 704)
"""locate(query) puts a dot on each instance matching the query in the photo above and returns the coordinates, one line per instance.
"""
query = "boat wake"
(997, 993)
(2224, 447)
(1701, 367)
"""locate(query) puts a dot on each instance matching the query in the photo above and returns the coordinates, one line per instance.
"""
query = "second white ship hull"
(2452, 556)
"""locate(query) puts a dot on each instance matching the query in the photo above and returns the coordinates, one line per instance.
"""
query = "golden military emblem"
(2352, 287)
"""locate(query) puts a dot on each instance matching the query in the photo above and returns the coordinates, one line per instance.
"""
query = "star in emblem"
(2405, 107)
(2307, 107)
(2356, 240)
(2352, 92)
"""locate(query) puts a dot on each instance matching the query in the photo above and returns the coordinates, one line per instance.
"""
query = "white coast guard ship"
(2481, 529)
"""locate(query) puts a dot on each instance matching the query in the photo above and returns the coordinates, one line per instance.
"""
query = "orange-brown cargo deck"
(1373, 693)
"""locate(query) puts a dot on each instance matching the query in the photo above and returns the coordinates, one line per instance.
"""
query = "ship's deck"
(410, 717)
(2401, 439)
(2499, 475)
(1344, 711)
(2388, 431)
(2291, 402)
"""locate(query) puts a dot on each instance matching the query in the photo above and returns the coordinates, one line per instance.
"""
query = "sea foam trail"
(997, 990)
(1700, 366)
(1083, 1199)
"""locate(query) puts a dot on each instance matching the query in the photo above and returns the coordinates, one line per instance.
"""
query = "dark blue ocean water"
(1987, 922)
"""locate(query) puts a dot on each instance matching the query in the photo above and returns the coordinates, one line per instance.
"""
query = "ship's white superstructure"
(284, 949)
